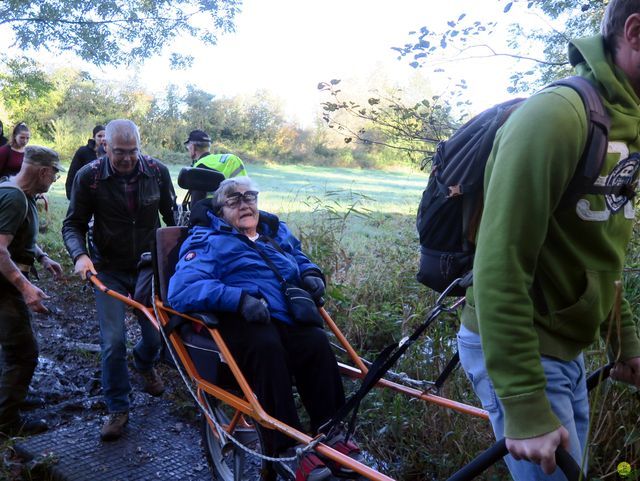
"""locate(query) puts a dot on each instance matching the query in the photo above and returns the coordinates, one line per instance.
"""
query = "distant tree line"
(62, 106)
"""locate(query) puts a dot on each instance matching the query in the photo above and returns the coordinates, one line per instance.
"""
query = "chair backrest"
(197, 178)
(167, 250)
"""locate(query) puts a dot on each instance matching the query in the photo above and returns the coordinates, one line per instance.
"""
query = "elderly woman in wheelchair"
(244, 264)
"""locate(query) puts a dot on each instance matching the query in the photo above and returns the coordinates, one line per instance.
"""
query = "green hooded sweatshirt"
(575, 252)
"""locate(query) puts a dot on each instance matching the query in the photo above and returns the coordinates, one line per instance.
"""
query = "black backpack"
(451, 205)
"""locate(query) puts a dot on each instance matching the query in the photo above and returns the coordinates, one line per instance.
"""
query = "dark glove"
(314, 285)
(254, 310)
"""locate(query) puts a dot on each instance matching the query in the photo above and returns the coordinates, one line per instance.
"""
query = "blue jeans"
(111, 316)
(566, 390)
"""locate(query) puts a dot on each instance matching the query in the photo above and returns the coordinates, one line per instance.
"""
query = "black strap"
(5, 184)
(448, 369)
(186, 201)
(385, 360)
(266, 259)
(625, 190)
(269, 240)
(174, 323)
(595, 151)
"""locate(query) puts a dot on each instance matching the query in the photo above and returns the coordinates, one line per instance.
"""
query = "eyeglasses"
(55, 172)
(250, 197)
(125, 153)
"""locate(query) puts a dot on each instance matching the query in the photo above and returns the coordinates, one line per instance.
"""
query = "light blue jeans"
(111, 316)
(566, 390)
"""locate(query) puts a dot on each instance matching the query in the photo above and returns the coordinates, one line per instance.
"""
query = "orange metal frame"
(248, 404)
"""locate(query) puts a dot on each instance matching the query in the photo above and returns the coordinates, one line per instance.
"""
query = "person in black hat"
(18, 296)
(84, 155)
(199, 146)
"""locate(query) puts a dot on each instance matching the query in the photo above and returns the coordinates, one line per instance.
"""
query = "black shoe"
(31, 402)
(24, 427)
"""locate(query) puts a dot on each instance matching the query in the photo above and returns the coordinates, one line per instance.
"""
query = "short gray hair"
(123, 128)
(229, 186)
(614, 19)
(201, 145)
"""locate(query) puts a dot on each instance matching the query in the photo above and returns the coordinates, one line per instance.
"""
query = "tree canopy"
(62, 105)
(388, 119)
(116, 31)
(415, 128)
(544, 47)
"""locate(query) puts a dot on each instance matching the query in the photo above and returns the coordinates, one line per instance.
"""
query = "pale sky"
(288, 46)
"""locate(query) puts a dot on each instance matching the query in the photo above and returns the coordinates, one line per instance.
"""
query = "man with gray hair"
(547, 268)
(124, 192)
(18, 296)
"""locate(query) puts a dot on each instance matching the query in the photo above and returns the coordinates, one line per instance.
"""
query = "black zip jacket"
(119, 238)
(82, 157)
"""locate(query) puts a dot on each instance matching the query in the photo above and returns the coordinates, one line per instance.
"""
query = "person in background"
(124, 191)
(199, 146)
(3, 139)
(545, 271)
(12, 153)
(18, 296)
(84, 155)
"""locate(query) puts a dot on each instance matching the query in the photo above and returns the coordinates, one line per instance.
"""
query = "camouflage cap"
(42, 156)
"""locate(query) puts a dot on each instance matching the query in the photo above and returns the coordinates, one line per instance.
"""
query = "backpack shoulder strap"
(154, 167)
(96, 172)
(595, 151)
(6, 185)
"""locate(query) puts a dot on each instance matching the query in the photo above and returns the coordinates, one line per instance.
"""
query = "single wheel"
(228, 461)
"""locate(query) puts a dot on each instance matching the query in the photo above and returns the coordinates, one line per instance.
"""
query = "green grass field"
(285, 188)
(370, 202)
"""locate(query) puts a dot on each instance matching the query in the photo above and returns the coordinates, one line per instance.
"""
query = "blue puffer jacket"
(217, 264)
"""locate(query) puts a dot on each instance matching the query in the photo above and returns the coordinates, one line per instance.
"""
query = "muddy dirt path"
(68, 372)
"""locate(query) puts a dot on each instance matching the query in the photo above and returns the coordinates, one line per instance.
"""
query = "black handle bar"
(598, 375)
(499, 450)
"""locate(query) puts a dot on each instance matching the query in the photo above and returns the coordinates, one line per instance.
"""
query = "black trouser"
(18, 352)
(269, 355)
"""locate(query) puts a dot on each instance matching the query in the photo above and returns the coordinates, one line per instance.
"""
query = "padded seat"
(167, 251)
(200, 346)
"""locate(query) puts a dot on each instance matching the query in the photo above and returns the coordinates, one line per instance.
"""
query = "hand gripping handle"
(492, 455)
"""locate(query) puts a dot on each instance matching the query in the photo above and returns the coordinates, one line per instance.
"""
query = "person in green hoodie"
(524, 357)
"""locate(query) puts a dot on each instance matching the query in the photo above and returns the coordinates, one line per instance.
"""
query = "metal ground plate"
(155, 446)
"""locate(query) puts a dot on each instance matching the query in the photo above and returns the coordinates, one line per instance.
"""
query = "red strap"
(347, 448)
(308, 463)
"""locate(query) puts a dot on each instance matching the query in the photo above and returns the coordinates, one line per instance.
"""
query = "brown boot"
(152, 383)
(114, 427)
